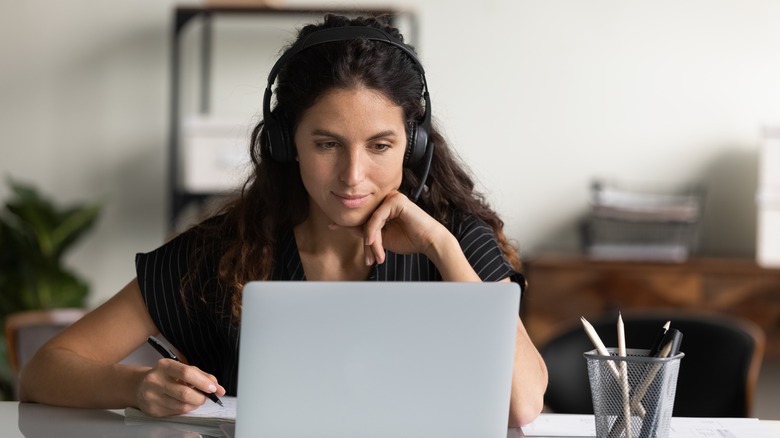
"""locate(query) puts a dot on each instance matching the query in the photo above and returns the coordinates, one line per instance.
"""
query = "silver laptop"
(366, 359)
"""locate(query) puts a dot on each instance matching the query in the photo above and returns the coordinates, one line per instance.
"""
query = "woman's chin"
(351, 220)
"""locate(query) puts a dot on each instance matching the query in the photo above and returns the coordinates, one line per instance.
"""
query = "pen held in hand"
(168, 354)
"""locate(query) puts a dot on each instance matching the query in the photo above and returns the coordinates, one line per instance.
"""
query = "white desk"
(25, 420)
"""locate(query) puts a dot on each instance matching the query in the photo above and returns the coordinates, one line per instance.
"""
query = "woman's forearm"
(60, 377)
(529, 381)
(79, 367)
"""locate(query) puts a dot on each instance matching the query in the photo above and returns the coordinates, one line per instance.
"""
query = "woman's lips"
(352, 201)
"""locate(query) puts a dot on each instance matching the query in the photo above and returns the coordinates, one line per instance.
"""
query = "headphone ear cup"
(410, 144)
(280, 146)
(416, 145)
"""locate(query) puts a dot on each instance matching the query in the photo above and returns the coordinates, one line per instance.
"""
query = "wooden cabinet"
(563, 287)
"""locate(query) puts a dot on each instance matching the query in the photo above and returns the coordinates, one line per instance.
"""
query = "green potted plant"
(34, 236)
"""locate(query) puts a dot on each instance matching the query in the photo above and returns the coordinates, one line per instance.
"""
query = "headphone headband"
(343, 33)
(334, 34)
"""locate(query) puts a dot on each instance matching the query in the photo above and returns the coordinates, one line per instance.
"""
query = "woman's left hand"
(400, 226)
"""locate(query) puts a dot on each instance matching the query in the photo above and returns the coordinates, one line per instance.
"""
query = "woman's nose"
(353, 167)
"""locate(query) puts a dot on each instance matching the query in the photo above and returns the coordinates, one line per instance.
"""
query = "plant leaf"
(34, 235)
(73, 225)
(34, 215)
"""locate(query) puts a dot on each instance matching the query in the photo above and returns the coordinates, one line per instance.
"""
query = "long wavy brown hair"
(273, 200)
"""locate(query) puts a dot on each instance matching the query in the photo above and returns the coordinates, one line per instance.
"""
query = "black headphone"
(278, 132)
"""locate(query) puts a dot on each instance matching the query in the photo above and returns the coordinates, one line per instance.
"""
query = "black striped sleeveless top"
(210, 341)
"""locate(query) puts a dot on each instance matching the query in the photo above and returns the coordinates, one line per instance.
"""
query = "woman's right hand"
(172, 388)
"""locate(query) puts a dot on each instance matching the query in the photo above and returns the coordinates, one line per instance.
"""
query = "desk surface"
(26, 420)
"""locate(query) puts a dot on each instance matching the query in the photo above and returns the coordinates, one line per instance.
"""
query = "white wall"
(539, 97)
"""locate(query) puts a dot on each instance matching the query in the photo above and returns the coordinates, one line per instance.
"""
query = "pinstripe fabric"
(210, 341)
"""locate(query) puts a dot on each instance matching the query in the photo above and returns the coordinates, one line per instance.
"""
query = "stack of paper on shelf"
(641, 224)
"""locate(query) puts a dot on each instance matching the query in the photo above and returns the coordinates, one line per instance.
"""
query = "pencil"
(596, 340)
(624, 375)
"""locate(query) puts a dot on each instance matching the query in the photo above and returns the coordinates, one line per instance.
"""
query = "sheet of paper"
(561, 425)
(570, 425)
(208, 414)
(213, 410)
(718, 427)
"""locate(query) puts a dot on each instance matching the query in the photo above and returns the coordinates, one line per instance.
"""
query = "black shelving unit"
(179, 198)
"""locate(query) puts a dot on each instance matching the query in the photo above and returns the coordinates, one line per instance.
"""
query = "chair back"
(27, 331)
(717, 377)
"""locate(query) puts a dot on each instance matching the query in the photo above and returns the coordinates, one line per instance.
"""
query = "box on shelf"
(769, 160)
(214, 154)
(768, 199)
(768, 229)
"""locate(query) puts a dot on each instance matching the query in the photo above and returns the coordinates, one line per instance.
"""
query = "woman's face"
(351, 146)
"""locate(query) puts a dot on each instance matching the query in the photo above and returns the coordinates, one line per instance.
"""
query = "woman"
(336, 161)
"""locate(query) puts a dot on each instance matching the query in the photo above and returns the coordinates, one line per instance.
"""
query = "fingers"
(387, 210)
(194, 377)
(165, 405)
(374, 239)
(172, 388)
(397, 225)
(370, 258)
(375, 251)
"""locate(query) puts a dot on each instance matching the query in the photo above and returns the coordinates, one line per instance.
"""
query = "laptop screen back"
(359, 359)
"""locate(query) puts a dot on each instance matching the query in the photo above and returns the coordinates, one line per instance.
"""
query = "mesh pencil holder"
(633, 396)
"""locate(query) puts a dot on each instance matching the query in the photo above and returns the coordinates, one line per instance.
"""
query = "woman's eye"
(327, 144)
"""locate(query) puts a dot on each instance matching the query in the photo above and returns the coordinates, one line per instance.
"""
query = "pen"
(673, 338)
(168, 354)
(657, 343)
(670, 347)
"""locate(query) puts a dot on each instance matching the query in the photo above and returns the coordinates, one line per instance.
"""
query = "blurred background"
(539, 98)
